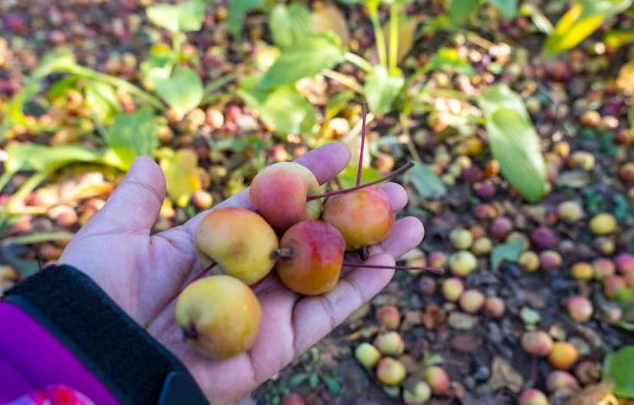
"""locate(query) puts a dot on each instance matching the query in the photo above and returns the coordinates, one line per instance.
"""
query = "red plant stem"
(364, 111)
(379, 266)
(396, 172)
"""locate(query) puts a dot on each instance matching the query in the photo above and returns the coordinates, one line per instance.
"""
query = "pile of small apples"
(220, 314)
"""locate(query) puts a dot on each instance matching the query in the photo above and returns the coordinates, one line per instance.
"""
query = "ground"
(577, 106)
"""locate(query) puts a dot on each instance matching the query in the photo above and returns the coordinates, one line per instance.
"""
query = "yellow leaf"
(598, 394)
(406, 32)
(625, 80)
(329, 18)
(181, 175)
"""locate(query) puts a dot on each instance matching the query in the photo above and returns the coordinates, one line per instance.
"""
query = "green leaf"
(348, 176)
(618, 38)
(131, 135)
(304, 58)
(530, 316)
(297, 379)
(508, 8)
(102, 100)
(337, 103)
(628, 326)
(41, 158)
(507, 251)
(181, 174)
(332, 383)
(579, 22)
(59, 60)
(157, 66)
(406, 35)
(283, 108)
(382, 89)
(289, 24)
(450, 60)
(183, 17)
(460, 10)
(425, 182)
(498, 96)
(183, 91)
(237, 11)
(514, 142)
(313, 381)
(618, 369)
(62, 86)
(539, 19)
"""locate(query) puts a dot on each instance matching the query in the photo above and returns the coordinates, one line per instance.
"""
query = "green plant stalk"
(347, 81)
(116, 82)
(41, 237)
(394, 23)
(24, 190)
(177, 42)
(378, 35)
(218, 83)
(410, 141)
(4, 179)
(358, 61)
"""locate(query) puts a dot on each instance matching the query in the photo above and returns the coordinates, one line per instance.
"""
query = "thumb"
(135, 203)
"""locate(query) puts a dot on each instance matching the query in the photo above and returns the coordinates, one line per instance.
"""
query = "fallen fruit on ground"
(367, 355)
(537, 343)
(390, 371)
(532, 396)
(437, 379)
(563, 355)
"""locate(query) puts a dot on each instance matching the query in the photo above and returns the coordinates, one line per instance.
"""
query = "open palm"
(143, 273)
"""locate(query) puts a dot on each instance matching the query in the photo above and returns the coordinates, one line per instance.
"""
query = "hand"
(144, 273)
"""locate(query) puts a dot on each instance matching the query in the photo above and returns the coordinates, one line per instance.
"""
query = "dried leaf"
(181, 175)
(462, 321)
(330, 18)
(625, 81)
(503, 375)
(573, 179)
(593, 395)
(465, 343)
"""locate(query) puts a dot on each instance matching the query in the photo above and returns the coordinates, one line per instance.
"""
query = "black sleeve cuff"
(135, 367)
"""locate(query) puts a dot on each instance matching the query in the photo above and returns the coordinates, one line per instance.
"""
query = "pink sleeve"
(32, 360)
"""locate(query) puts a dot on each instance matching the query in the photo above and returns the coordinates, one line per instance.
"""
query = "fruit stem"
(364, 112)
(282, 254)
(396, 172)
(379, 266)
(206, 269)
(190, 332)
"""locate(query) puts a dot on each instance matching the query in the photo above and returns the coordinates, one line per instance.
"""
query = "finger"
(325, 162)
(407, 233)
(274, 348)
(315, 317)
(135, 203)
(396, 194)
(240, 200)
